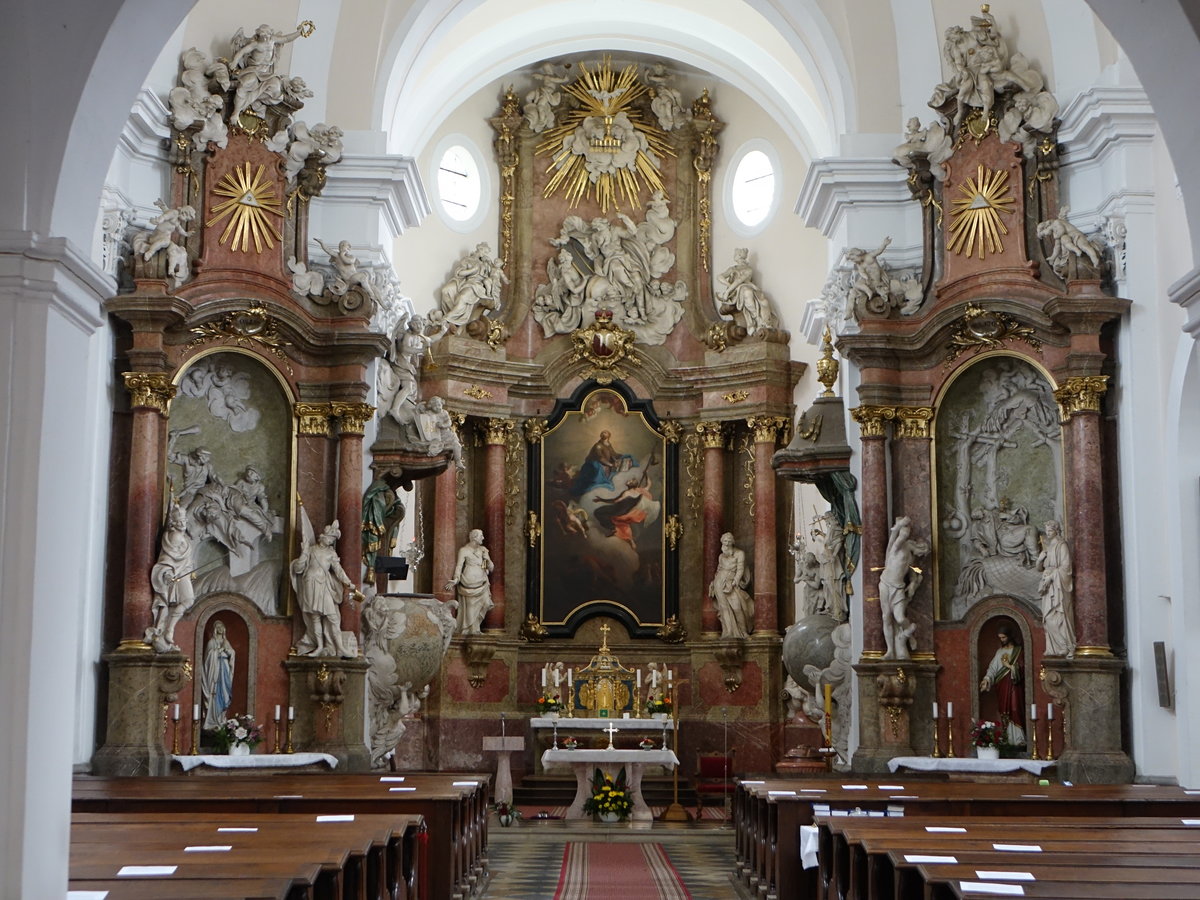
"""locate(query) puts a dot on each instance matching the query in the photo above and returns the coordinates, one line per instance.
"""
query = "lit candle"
(935, 709)
(291, 713)
(1050, 711)
(196, 712)
(670, 675)
(1033, 712)
(949, 710)
(828, 700)
(276, 712)
(175, 713)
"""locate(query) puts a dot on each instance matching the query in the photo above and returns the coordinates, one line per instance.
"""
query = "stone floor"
(525, 860)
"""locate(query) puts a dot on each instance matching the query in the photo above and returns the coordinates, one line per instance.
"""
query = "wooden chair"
(713, 779)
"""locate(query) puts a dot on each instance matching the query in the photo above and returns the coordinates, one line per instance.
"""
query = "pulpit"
(503, 746)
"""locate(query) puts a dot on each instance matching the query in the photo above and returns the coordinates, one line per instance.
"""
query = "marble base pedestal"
(1088, 691)
(329, 695)
(898, 724)
(142, 685)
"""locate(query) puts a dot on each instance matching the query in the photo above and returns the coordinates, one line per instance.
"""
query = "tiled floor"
(526, 859)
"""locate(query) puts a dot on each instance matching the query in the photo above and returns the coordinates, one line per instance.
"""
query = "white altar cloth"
(968, 764)
(634, 761)
(566, 724)
(255, 760)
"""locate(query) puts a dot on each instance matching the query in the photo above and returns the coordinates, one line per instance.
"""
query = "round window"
(752, 189)
(459, 187)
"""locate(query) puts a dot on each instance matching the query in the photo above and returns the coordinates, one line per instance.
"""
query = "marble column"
(149, 394)
(712, 438)
(766, 588)
(911, 477)
(1079, 403)
(445, 548)
(352, 420)
(874, 492)
(496, 435)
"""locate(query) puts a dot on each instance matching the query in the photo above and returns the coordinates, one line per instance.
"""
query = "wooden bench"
(768, 814)
(451, 854)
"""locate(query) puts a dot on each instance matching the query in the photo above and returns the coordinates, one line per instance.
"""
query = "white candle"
(1050, 711)
(949, 710)
(1033, 712)
(291, 713)
(175, 713)
(276, 712)
(570, 674)
(196, 712)
(543, 677)
(670, 675)
(935, 709)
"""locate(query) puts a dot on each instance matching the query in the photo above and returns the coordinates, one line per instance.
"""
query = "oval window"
(752, 190)
(458, 183)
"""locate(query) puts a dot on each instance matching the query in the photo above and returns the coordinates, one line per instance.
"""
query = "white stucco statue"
(171, 580)
(741, 299)
(839, 676)
(398, 387)
(735, 607)
(346, 272)
(194, 100)
(932, 142)
(897, 584)
(870, 287)
(665, 101)
(164, 228)
(541, 102)
(253, 67)
(1030, 113)
(473, 288)
(320, 583)
(471, 582)
(1067, 241)
(1057, 589)
(299, 142)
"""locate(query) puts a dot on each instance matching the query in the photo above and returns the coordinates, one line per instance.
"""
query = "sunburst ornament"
(252, 201)
(603, 148)
(975, 214)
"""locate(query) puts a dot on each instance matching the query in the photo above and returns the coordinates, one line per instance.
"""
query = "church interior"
(740, 395)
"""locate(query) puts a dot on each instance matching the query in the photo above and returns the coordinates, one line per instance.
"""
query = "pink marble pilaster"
(445, 551)
(143, 515)
(714, 523)
(1085, 525)
(493, 515)
(766, 602)
(911, 478)
(874, 536)
(349, 513)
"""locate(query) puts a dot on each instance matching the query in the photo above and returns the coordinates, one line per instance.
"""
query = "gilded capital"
(871, 419)
(496, 431)
(766, 428)
(534, 429)
(1080, 393)
(150, 390)
(313, 418)
(914, 421)
(352, 417)
(671, 430)
(712, 435)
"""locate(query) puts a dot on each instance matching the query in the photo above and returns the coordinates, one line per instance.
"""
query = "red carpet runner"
(606, 871)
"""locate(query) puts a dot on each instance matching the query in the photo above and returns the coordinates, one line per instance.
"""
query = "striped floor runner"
(624, 871)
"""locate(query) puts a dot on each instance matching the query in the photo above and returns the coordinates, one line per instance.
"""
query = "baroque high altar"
(592, 432)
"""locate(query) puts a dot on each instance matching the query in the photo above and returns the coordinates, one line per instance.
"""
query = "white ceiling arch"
(446, 50)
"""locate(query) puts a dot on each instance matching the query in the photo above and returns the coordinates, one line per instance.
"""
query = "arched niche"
(230, 464)
(241, 621)
(985, 623)
(998, 474)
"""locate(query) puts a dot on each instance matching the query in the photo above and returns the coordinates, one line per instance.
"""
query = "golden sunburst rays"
(251, 201)
(603, 148)
(975, 215)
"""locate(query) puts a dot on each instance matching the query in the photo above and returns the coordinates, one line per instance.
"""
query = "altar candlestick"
(570, 676)
(670, 675)
(277, 716)
(291, 713)
(196, 712)
(639, 679)
(543, 677)
(175, 713)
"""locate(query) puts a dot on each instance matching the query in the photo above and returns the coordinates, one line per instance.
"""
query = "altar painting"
(229, 469)
(604, 472)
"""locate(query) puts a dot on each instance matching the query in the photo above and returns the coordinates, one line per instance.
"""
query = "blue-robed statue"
(601, 464)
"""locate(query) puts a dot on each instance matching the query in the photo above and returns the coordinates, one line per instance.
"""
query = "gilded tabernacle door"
(603, 486)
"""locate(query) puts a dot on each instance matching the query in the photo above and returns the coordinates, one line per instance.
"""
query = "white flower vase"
(239, 749)
(552, 715)
(987, 752)
(610, 818)
(659, 715)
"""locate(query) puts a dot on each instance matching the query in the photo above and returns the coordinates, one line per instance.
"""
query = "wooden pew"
(452, 852)
(769, 813)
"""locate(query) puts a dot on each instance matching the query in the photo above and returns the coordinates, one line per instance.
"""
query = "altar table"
(257, 761)
(969, 764)
(584, 762)
(565, 723)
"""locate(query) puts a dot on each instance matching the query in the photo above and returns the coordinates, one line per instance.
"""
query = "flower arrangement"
(985, 733)
(659, 705)
(646, 744)
(238, 730)
(570, 743)
(609, 796)
(548, 702)
(506, 813)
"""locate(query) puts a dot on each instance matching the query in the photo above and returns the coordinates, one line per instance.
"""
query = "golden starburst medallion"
(975, 214)
(252, 200)
(603, 148)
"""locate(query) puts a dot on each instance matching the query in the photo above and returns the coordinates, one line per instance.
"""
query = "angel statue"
(161, 236)
(318, 578)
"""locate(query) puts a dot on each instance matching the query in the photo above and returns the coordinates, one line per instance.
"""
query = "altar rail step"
(557, 790)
